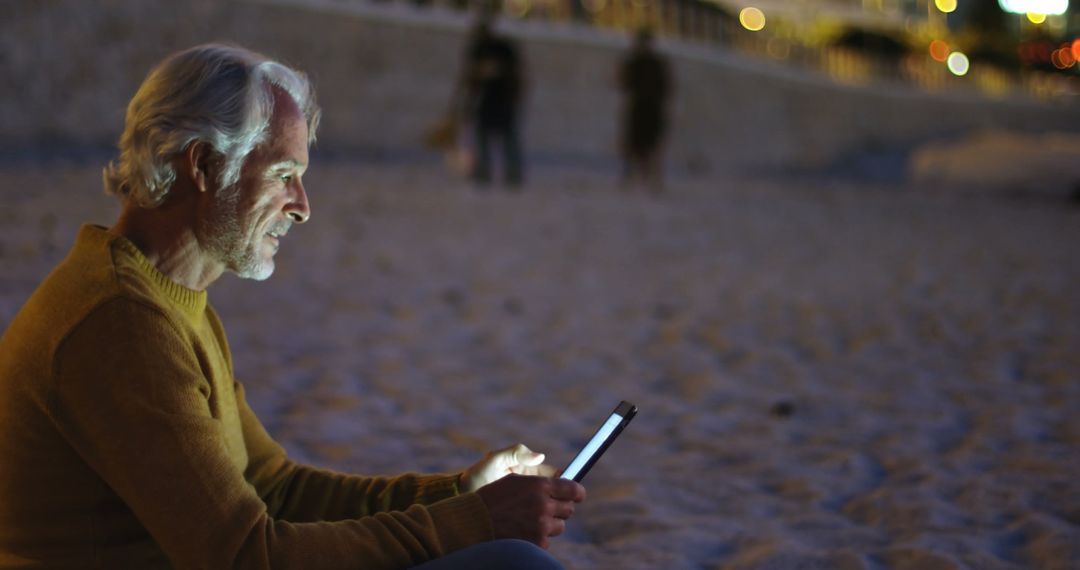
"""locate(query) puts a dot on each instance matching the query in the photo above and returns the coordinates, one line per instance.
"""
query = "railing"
(703, 23)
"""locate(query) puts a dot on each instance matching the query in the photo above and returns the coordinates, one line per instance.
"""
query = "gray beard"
(222, 235)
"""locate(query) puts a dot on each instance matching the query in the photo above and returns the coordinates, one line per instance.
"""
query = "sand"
(830, 374)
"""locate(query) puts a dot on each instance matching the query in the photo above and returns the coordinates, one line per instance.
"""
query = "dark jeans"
(496, 555)
(507, 134)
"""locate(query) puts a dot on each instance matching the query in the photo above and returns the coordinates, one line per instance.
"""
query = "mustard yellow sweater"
(125, 442)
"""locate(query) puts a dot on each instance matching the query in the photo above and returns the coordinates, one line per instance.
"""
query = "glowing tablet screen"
(594, 444)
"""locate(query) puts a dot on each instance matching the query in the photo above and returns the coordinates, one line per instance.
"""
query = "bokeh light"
(958, 63)
(752, 19)
(1053, 7)
(939, 50)
(947, 6)
(1036, 18)
(1062, 58)
(778, 49)
(1076, 49)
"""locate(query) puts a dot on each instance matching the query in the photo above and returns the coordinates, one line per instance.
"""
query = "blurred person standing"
(493, 80)
(126, 440)
(645, 81)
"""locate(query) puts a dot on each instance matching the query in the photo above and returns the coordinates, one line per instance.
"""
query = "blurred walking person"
(494, 88)
(645, 81)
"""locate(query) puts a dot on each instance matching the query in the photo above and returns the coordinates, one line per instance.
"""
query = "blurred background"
(792, 84)
(850, 321)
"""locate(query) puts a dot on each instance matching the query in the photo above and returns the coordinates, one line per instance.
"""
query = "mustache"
(280, 228)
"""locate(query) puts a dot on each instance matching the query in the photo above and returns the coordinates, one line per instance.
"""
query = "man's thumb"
(524, 456)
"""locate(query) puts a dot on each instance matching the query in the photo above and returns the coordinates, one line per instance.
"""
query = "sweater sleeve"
(303, 493)
(137, 412)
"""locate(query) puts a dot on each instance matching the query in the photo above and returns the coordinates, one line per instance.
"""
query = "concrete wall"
(385, 75)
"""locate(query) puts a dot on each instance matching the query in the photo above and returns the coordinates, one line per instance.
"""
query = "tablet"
(600, 441)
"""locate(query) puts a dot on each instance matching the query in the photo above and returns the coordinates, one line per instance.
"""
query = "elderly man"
(126, 442)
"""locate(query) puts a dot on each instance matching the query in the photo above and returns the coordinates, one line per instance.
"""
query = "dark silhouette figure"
(645, 81)
(493, 92)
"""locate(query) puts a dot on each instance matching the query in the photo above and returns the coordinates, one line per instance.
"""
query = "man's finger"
(564, 510)
(555, 527)
(545, 470)
(516, 455)
(567, 490)
(524, 456)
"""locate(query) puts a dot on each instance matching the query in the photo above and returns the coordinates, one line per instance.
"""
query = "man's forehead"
(285, 107)
(288, 138)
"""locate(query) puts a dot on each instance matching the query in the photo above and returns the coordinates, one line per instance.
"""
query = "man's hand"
(516, 459)
(531, 508)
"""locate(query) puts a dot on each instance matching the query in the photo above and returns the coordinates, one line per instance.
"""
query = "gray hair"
(218, 94)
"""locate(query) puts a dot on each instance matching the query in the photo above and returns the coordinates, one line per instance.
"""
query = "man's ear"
(197, 164)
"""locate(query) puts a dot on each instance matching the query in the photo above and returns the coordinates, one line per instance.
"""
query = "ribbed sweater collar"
(190, 301)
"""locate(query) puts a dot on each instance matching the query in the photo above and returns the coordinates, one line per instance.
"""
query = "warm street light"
(752, 19)
(946, 6)
(1045, 7)
(958, 63)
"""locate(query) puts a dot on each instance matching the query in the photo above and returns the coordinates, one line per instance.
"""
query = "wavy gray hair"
(217, 94)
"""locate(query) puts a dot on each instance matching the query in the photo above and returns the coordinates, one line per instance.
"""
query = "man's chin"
(260, 276)
(258, 272)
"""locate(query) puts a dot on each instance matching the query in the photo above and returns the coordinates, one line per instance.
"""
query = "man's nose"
(298, 210)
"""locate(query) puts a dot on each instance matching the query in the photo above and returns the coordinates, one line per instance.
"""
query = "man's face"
(245, 222)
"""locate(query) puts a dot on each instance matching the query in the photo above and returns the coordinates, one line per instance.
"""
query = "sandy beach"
(831, 374)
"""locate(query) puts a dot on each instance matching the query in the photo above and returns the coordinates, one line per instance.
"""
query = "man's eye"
(285, 178)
